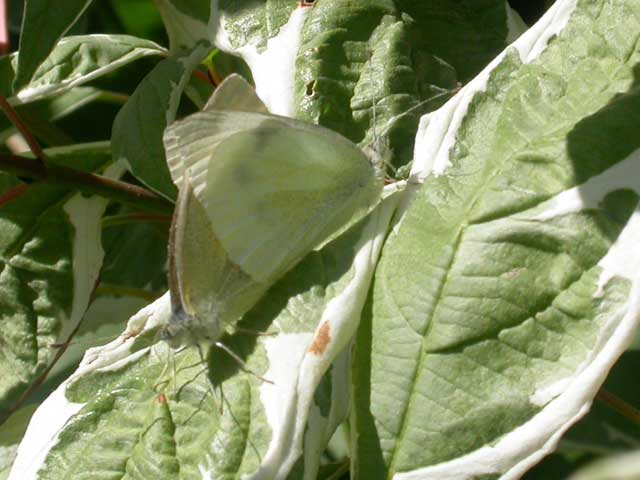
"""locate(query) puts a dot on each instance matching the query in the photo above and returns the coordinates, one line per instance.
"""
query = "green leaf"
(266, 36)
(51, 257)
(605, 430)
(185, 21)
(511, 284)
(135, 253)
(7, 74)
(138, 127)
(43, 23)
(102, 322)
(253, 24)
(334, 63)
(80, 59)
(310, 314)
(372, 70)
(11, 432)
(618, 467)
(334, 471)
(40, 114)
(138, 17)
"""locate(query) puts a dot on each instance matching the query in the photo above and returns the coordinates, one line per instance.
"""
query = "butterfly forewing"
(273, 188)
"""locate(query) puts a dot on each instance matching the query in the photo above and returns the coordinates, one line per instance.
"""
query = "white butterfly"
(257, 193)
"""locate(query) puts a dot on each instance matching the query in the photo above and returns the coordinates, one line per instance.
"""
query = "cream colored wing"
(273, 188)
(235, 93)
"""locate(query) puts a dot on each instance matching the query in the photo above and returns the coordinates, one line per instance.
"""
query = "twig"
(12, 194)
(85, 182)
(202, 77)
(22, 128)
(213, 75)
(619, 405)
(340, 471)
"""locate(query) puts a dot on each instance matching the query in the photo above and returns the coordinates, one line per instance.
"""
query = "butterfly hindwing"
(208, 291)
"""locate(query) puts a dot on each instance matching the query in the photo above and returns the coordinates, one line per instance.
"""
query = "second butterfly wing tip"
(235, 93)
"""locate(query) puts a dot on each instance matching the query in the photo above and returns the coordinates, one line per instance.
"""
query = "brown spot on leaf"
(161, 398)
(514, 273)
(310, 88)
(133, 333)
(322, 339)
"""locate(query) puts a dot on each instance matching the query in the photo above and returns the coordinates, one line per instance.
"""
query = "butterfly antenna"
(392, 121)
(240, 362)
(373, 105)
(172, 355)
(162, 374)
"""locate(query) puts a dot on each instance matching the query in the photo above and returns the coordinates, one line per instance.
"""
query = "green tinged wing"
(272, 187)
(208, 291)
(235, 93)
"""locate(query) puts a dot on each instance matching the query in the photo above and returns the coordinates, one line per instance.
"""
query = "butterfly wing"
(272, 187)
(208, 291)
(235, 93)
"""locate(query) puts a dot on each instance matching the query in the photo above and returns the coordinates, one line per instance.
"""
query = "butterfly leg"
(211, 386)
(240, 362)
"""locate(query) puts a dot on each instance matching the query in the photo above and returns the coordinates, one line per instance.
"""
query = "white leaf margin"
(49, 419)
(340, 319)
(570, 399)
(525, 446)
(295, 371)
(437, 131)
(85, 214)
(320, 429)
(273, 69)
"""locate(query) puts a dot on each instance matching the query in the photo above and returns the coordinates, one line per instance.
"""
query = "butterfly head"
(185, 329)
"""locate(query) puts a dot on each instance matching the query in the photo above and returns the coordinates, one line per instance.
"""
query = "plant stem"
(201, 76)
(22, 128)
(117, 98)
(340, 471)
(619, 405)
(85, 182)
(12, 194)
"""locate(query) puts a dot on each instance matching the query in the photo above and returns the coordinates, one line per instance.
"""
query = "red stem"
(13, 117)
(619, 405)
(201, 76)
